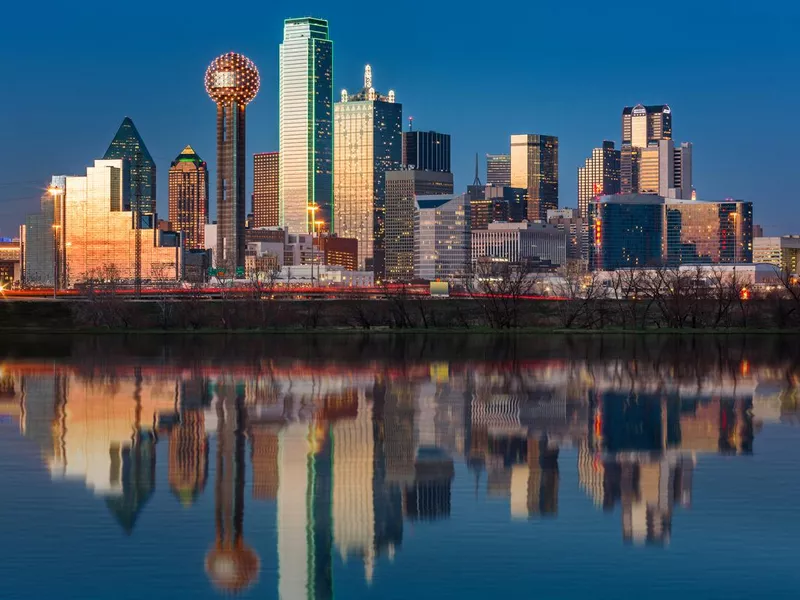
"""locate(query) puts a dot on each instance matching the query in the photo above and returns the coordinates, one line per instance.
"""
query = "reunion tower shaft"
(232, 81)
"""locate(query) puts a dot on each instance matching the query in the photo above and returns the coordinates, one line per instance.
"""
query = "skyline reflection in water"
(356, 445)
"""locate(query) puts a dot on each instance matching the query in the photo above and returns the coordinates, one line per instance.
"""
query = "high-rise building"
(42, 239)
(442, 237)
(520, 242)
(498, 169)
(99, 242)
(642, 126)
(576, 229)
(266, 189)
(232, 81)
(599, 176)
(401, 189)
(783, 252)
(426, 151)
(534, 166)
(649, 230)
(494, 203)
(128, 145)
(682, 183)
(306, 126)
(367, 143)
(188, 198)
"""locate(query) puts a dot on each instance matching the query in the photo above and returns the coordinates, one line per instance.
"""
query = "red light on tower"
(598, 189)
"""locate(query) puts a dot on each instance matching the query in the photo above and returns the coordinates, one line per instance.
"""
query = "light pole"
(313, 208)
(55, 192)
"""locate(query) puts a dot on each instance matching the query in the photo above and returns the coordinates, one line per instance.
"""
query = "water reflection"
(351, 453)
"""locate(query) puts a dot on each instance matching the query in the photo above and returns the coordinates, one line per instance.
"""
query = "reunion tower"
(232, 81)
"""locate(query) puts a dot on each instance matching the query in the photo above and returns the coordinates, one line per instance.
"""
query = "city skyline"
(580, 125)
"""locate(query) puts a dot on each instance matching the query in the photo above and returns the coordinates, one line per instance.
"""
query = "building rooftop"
(653, 199)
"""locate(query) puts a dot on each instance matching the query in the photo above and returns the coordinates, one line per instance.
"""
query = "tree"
(579, 293)
(501, 288)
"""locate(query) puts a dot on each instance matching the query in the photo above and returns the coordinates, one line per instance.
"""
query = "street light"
(312, 208)
(56, 192)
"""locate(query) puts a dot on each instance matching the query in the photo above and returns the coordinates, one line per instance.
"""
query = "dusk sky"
(478, 71)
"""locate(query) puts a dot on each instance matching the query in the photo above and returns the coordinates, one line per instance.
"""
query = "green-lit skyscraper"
(306, 126)
(128, 145)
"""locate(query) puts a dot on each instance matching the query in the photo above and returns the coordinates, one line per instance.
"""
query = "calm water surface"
(411, 467)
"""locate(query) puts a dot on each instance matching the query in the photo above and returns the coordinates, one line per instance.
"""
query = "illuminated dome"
(232, 78)
(232, 570)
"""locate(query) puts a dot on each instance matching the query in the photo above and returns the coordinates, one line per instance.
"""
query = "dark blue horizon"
(564, 69)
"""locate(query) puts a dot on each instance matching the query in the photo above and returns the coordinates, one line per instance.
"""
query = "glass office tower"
(306, 125)
(599, 176)
(128, 145)
(367, 143)
(266, 191)
(534, 166)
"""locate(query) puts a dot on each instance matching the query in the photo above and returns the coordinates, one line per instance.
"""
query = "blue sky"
(479, 72)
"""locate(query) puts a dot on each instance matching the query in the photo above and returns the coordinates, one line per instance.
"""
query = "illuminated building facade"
(599, 176)
(648, 230)
(442, 237)
(401, 189)
(99, 241)
(306, 125)
(266, 191)
(517, 242)
(128, 145)
(534, 166)
(232, 81)
(576, 229)
(42, 239)
(367, 144)
(498, 169)
(426, 151)
(188, 198)
(783, 252)
(338, 251)
(495, 203)
(9, 261)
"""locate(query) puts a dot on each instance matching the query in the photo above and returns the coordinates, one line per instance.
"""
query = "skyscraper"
(498, 169)
(128, 145)
(232, 81)
(442, 237)
(599, 176)
(306, 125)
(188, 198)
(266, 191)
(534, 166)
(367, 143)
(641, 127)
(682, 183)
(426, 151)
(401, 188)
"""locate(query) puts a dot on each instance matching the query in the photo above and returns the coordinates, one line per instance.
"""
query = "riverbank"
(396, 315)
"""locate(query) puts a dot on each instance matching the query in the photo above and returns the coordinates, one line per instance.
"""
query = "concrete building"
(442, 237)
(518, 242)
(782, 252)
(576, 229)
(402, 187)
(498, 169)
(266, 189)
(10, 263)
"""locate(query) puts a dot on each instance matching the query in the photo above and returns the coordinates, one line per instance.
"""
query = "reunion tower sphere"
(232, 78)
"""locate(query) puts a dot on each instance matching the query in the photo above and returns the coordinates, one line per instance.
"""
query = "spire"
(127, 142)
(477, 181)
(367, 77)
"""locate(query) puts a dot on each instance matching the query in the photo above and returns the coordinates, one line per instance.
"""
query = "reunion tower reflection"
(231, 565)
